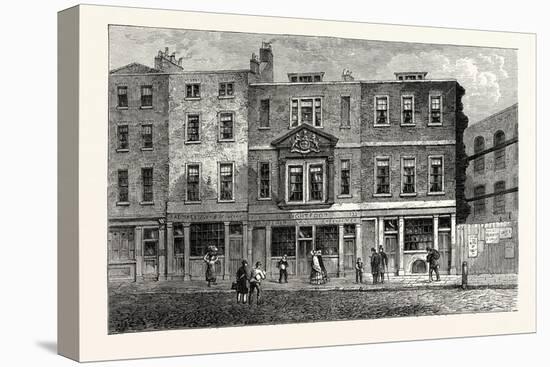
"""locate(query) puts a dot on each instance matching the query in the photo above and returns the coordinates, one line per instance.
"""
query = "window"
(264, 113)
(345, 177)
(283, 241)
(436, 175)
(306, 111)
(296, 183)
(418, 234)
(147, 181)
(193, 128)
(479, 205)
(408, 176)
(264, 181)
(390, 226)
(383, 176)
(192, 91)
(150, 241)
(500, 154)
(146, 96)
(435, 110)
(203, 235)
(193, 182)
(226, 126)
(499, 203)
(123, 185)
(235, 229)
(121, 244)
(407, 114)
(122, 94)
(345, 111)
(122, 137)
(479, 162)
(326, 239)
(147, 136)
(179, 239)
(381, 117)
(226, 90)
(316, 182)
(226, 181)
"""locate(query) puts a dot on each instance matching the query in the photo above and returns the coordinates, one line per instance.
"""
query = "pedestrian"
(242, 282)
(322, 265)
(316, 276)
(256, 276)
(433, 262)
(283, 266)
(374, 265)
(211, 258)
(383, 263)
(359, 270)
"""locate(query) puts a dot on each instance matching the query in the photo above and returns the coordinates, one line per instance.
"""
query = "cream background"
(96, 344)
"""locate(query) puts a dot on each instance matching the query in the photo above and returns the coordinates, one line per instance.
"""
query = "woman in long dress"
(322, 266)
(211, 258)
(242, 282)
(316, 276)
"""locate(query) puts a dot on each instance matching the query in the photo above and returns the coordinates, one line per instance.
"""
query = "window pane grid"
(147, 178)
(226, 126)
(226, 182)
(193, 128)
(408, 176)
(436, 109)
(264, 113)
(479, 205)
(418, 234)
(306, 111)
(316, 182)
(283, 241)
(296, 183)
(326, 239)
(122, 93)
(264, 180)
(383, 176)
(193, 183)
(192, 91)
(146, 96)
(147, 136)
(121, 244)
(499, 203)
(407, 110)
(436, 175)
(122, 133)
(123, 185)
(203, 235)
(381, 110)
(345, 177)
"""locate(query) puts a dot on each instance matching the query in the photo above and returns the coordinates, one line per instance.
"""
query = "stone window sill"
(412, 194)
(382, 125)
(435, 124)
(439, 193)
(344, 196)
(192, 98)
(192, 202)
(408, 125)
(193, 142)
(146, 149)
(121, 108)
(264, 128)
(122, 150)
(226, 201)
(147, 203)
(146, 107)
(381, 195)
(226, 97)
(123, 203)
(226, 140)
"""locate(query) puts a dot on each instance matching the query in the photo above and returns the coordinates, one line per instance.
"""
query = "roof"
(135, 68)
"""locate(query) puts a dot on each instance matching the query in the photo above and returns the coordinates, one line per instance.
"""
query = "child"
(256, 276)
(359, 271)
(283, 265)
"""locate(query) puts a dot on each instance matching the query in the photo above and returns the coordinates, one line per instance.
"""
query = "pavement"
(302, 284)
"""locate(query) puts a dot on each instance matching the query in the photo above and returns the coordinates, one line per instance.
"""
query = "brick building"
(262, 168)
(492, 175)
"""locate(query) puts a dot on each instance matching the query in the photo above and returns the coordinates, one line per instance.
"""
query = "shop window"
(235, 229)
(226, 182)
(381, 114)
(226, 126)
(382, 175)
(193, 182)
(436, 174)
(345, 174)
(499, 200)
(226, 90)
(122, 97)
(479, 205)
(435, 110)
(193, 128)
(264, 181)
(123, 185)
(264, 113)
(326, 239)
(203, 235)
(306, 111)
(147, 136)
(193, 90)
(500, 154)
(418, 234)
(146, 96)
(444, 223)
(150, 241)
(349, 230)
(283, 241)
(147, 183)
(179, 239)
(479, 162)
(122, 137)
(121, 244)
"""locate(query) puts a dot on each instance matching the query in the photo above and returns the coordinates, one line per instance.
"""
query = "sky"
(489, 75)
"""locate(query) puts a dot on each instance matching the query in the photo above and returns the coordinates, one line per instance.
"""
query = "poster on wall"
(472, 246)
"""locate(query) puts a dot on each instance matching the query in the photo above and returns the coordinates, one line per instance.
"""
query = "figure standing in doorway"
(374, 265)
(383, 263)
(211, 258)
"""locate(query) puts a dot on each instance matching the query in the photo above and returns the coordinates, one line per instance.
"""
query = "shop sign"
(492, 235)
(506, 232)
(509, 251)
(472, 246)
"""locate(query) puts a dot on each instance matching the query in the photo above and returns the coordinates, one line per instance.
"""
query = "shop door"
(444, 249)
(390, 246)
(304, 257)
(349, 255)
(258, 246)
(235, 254)
(179, 248)
(150, 252)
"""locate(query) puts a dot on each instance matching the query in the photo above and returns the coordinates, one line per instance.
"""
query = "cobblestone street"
(145, 311)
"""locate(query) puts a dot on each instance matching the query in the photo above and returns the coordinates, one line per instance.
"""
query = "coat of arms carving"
(305, 142)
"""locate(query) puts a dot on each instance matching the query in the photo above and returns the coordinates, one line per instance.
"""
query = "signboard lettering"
(492, 235)
(472, 246)
(506, 232)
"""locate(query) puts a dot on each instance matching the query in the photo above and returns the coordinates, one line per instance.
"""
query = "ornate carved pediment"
(305, 142)
(305, 139)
